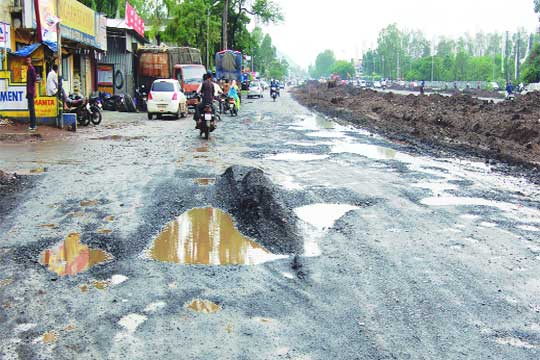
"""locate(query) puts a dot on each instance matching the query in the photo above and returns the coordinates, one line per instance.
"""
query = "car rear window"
(163, 86)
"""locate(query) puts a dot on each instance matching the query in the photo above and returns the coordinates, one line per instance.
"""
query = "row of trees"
(326, 65)
(403, 54)
(209, 25)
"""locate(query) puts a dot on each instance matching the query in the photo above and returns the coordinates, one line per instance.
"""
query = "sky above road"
(350, 26)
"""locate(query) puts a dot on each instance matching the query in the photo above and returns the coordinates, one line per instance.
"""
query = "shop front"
(83, 41)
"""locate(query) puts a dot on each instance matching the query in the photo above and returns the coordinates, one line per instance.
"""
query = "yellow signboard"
(45, 107)
(77, 16)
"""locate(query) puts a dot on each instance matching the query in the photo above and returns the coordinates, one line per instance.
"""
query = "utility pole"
(224, 25)
(518, 56)
(207, 39)
(59, 99)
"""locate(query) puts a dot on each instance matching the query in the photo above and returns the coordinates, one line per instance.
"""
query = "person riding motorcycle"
(206, 90)
(234, 93)
(274, 86)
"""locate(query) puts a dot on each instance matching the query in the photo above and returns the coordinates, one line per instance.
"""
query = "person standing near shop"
(52, 81)
(31, 79)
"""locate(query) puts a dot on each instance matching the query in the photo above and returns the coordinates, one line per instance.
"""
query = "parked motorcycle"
(141, 98)
(86, 112)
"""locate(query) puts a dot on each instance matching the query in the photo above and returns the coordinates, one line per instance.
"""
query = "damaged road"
(506, 131)
(286, 235)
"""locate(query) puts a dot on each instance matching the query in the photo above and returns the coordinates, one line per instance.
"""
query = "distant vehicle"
(255, 90)
(264, 84)
(166, 97)
(377, 85)
(530, 88)
(181, 63)
(495, 86)
(362, 83)
(229, 65)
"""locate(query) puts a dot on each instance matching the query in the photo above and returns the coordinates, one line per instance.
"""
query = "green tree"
(344, 69)
(188, 27)
(323, 64)
(531, 69)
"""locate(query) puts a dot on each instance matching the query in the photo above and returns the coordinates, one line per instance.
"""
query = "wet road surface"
(115, 253)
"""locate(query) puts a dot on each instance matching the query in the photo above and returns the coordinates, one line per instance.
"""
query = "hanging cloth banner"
(46, 20)
(134, 20)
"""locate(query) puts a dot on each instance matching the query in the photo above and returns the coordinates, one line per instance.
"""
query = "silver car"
(255, 90)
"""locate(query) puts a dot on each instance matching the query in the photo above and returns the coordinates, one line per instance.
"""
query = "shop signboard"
(5, 38)
(47, 20)
(77, 21)
(13, 102)
(12, 97)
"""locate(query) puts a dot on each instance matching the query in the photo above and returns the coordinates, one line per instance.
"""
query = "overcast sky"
(350, 26)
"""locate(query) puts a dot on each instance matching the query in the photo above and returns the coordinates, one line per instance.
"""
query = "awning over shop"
(28, 50)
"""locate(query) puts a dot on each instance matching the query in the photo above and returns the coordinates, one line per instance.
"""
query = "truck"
(229, 65)
(181, 63)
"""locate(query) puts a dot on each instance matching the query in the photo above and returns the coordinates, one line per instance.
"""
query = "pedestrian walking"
(52, 81)
(31, 79)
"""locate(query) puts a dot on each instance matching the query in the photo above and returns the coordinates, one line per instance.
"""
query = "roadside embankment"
(508, 131)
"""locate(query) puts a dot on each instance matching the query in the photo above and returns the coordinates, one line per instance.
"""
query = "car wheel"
(150, 116)
(158, 116)
(183, 114)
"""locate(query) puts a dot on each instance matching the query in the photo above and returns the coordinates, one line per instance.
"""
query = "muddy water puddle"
(207, 236)
(205, 181)
(296, 157)
(509, 210)
(203, 306)
(317, 219)
(71, 257)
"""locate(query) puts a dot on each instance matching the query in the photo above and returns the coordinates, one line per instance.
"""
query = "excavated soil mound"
(508, 131)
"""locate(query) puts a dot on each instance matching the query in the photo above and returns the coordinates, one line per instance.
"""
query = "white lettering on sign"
(12, 97)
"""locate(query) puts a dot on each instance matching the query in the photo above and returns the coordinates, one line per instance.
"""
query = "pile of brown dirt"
(507, 131)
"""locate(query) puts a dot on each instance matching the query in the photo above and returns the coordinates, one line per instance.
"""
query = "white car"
(166, 98)
(255, 90)
(377, 84)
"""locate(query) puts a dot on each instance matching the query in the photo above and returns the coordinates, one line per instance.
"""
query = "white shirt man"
(52, 81)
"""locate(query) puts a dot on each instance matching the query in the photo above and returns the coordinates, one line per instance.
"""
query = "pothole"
(203, 306)
(205, 181)
(70, 257)
(207, 236)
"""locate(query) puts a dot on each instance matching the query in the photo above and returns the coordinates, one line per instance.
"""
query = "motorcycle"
(141, 98)
(86, 111)
(510, 96)
(273, 93)
(230, 105)
(206, 123)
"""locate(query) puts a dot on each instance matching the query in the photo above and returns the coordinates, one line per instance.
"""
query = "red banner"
(134, 20)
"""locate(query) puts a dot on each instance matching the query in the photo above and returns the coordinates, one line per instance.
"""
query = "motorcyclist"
(206, 90)
(275, 86)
